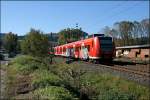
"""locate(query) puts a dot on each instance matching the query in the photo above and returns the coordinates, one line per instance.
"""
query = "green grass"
(42, 78)
(45, 83)
(46, 93)
(52, 93)
(52, 84)
(108, 87)
(26, 64)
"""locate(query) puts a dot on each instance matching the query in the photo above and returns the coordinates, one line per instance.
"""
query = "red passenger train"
(95, 48)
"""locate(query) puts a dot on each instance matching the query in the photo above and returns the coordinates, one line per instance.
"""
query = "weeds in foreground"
(69, 81)
(43, 78)
(53, 93)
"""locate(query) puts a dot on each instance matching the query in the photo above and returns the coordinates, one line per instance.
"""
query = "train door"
(70, 52)
(64, 51)
(84, 52)
(77, 50)
(67, 52)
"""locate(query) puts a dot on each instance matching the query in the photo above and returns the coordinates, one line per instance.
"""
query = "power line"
(113, 9)
(120, 12)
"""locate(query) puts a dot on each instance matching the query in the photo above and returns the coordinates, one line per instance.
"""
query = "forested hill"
(2, 35)
(51, 36)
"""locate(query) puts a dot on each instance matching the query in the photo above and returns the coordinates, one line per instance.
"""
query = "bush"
(25, 64)
(52, 93)
(43, 78)
(35, 44)
(10, 42)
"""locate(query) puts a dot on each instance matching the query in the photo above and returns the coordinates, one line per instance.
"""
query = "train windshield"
(106, 43)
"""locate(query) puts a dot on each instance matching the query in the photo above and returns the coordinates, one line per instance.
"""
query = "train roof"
(96, 35)
(76, 42)
(80, 41)
(134, 46)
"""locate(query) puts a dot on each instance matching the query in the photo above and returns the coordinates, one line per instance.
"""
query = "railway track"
(116, 67)
(145, 74)
(128, 70)
(134, 72)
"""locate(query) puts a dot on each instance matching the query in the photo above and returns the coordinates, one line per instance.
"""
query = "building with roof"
(137, 51)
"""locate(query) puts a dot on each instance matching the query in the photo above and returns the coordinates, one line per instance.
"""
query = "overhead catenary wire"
(113, 11)
(120, 12)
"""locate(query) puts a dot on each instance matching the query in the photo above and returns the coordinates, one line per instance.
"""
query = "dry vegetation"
(30, 78)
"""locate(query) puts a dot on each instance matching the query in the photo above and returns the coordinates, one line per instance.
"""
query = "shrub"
(52, 93)
(27, 64)
(43, 78)
(35, 44)
(22, 59)
(10, 42)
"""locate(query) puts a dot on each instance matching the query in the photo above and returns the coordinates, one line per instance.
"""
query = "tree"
(140, 32)
(145, 34)
(136, 31)
(70, 35)
(106, 31)
(35, 44)
(126, 33)
(10, 42)
(125, 28)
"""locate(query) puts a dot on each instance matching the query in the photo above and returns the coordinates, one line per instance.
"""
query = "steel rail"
(123, 69)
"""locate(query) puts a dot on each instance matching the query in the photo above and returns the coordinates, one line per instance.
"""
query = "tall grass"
(65, 81)
(52, 93)
(43, 78)
(26, 64)
(110, 87)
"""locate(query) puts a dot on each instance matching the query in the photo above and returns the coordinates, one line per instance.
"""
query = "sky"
(52, 16)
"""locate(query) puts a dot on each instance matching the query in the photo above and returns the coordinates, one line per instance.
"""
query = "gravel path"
(2, 84)
(2, 81)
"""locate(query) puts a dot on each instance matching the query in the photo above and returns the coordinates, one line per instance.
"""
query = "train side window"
(60, 49)
(64, 49)
(146, 56)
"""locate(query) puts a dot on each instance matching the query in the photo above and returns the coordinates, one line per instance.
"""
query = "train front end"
(107, 48)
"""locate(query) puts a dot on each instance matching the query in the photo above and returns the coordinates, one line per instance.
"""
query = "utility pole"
(76, 25)
(77, 33)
